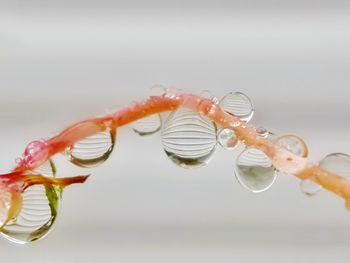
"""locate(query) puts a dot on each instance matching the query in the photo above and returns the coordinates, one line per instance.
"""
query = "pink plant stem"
(282, 159)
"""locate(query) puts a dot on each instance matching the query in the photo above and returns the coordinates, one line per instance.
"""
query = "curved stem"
(282, 159)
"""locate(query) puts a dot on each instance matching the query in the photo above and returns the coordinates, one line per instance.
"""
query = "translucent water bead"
(148, 125)
(93, 150)
(227, 139)
(40, 207)
(254, 170)
(292, 143)
(238, 104)
(189, 139)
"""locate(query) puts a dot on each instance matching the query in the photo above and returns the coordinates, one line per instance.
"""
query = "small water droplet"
(292, 143)
(35, 153)
(93, 150)
(309, 187)
(227, 139)
(261, 131)
(148, 125)
(238, 104)
(188, 138)
(254, 170)
(158, 90)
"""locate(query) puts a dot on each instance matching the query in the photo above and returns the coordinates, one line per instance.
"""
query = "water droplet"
(93, 150)
(238, 104)
(148, 125)
(158, 90)
(227, 139)
(188, 138)
(35, 153)
(309, 187)
(40, 207)
(254, 170)
(206, 94)
(292, 143)
(338, 163)
(261, 131)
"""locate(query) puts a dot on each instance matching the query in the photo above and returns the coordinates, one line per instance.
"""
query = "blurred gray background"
(63, 61)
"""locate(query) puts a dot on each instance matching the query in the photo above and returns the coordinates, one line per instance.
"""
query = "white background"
(63, 61)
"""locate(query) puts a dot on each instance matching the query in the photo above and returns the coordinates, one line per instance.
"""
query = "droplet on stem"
(189, 139)
(93, 150)
(39, 210)
(238, 104)
(227, 139)
(147, 125)
(254, 170)
(293, 144)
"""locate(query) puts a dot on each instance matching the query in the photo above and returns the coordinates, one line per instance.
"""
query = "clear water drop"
(254, 170)
(227, 139)
(40, 207)
(93, 150)
(189, 139)
(238, 104)
(158, 90)
(292, 143)
(148, 125)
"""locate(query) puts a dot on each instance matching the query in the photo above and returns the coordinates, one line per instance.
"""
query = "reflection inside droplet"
(93, 150)
(254, 170)
(292, 143)
(188, 138)
(238, 104)
(147, 125)
(227, 139)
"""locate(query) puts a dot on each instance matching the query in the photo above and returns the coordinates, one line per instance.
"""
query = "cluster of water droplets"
(189, 139)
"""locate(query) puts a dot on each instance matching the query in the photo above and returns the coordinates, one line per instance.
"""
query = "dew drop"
(40, 207)
(309, 187)
(293, 144)
(93, 150)
(158, 90)
(227, 139)
(238, 104)
(147, 125)
(5, 204)
(254, 170)
(189, 139)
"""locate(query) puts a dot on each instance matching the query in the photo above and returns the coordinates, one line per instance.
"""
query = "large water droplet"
(254, 170)
(188, 138)
(292, 143)
(40, 207)
(148, 125)
(238, 104)
(227, 139)
(93, 150)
